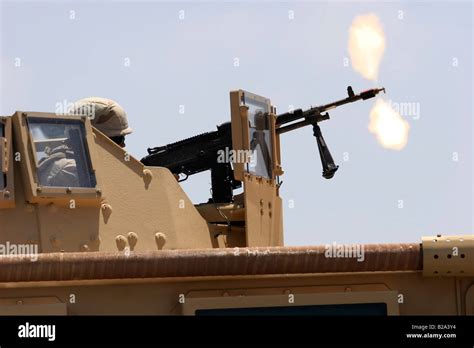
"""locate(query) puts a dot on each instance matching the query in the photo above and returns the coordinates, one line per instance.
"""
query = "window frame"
(241, 132)
(307, 296)
(37, 193)
(7, 193)
(83, 152)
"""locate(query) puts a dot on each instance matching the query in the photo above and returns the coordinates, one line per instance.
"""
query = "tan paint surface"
(135, 203)
(420, 295)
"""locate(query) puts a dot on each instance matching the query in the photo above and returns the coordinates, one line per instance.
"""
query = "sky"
(171, 65)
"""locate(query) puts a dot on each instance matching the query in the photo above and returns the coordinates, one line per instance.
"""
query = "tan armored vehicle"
(126, 239)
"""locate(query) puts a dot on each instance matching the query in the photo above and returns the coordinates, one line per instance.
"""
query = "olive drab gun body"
(81, 218)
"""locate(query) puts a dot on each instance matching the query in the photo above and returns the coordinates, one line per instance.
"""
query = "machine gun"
(199, 153)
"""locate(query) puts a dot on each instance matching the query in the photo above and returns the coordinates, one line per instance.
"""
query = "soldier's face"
(119, 140)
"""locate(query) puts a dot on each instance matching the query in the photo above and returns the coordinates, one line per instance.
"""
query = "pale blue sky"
(297, 62)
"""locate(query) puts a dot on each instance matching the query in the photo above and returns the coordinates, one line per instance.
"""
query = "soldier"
(59, 168)
(106, 115)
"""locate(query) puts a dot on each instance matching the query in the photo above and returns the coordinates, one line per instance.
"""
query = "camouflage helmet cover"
(106, 115)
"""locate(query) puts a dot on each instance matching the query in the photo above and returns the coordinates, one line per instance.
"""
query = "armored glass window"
(260, 138)
(61, 155)
(3, 179)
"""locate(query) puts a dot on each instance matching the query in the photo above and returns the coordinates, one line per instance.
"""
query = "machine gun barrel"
(315, 114)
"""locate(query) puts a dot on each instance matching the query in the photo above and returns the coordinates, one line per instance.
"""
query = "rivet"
(160, 240)
(106, 211)
(121, 242)
(106, 207)
(132, 239)
(148, 174)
